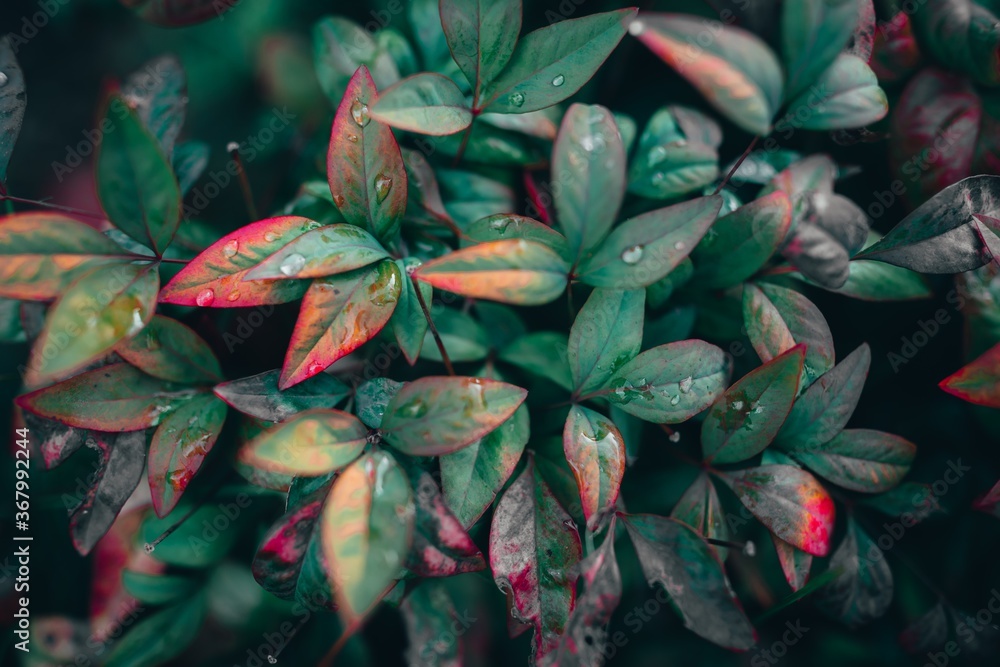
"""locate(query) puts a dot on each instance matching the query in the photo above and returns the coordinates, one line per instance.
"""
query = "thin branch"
(55, 207)
(736, 166)
(434, 332)
(234, 152)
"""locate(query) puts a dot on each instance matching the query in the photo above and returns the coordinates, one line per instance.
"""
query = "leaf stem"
(434, 332)
(55, 207)
(234, 153)
(736, 166)
(465, 140)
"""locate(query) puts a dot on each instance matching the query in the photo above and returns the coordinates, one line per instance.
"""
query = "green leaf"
(671, 383)
(340, 47)
(677, 154)
(740, 244)
(875, 281)
(99, 310)
(158, 94)
(647, 247)
(462, 335)
(533, 545)
(186, 546)
(426, 103)
(745, 419)
(311, 443)
(161, 636)
(12, 104)
(366, 528)
(472, 476)
(409, 324)
(189, 161)
(430, 614)
(158, 589)
(482, 35)
(42, 254)
(260, 397)
(736, 72)
(171, 351)
(551, 64)
(505, 226)
(339, 314)
(180, 445)
(588, 164)
(846, 96)
(595, 451)
(962, 36)
(700, 508)
(813, 33)
(607, 333)
(513, 271)
(825, 408)
(778, 318)
(432, 416)
(364, 165)
(863, 588)
(673, 555)
(320, 252)
(543, 354)
(861, 460)
(11, 329)
(135, 181)
(795, 563)
(373, 396)
(790, 502)
(112, 398)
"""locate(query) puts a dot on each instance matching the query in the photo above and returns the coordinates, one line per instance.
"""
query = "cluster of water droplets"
(517, 99)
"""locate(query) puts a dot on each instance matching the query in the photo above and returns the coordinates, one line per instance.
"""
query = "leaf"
(645, 248)
(939, 236)
(543, 354)
(367, 527)
(846, 96)
(790, 502)
(533, 546)
(911, 502)
(513, 271)
(481, 35)
(813, 33)
(135, 181)
(671, 383)
(99, 310)
(432, 416)
(174, 14)
(179, 447)
(472, 476)
(677, 154)
(607, 333)
(259, 396)
(595, 450)
(700, 508)
(874, 281)
(111, 398)
(216, 277)
(745, 419)
(795, 563)
(320, 252)
(926, 633)
(315, 442)
(44, 253)
(673, 555)
(863, 590)
(777, 318)
(825, 408)
(586, 635)
(339, 314)
(115, 476)
(158, 94)
(430, 615)
(736, 72)
(588, 164)
(171, 351)
(189, 161)
(963, 36)
(372, 398)
(505, 227)
(977, 382)
(366, 174)
(409, 325)
(427, 103)
(158, 589)
(552, 63)
(441, 547)
(12, 104)
(740, 243)
(340, 48)
(989, 502)
(861, 460)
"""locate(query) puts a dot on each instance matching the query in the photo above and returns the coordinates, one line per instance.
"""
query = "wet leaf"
(340, 47)
(846, 96)
(606, 334)
(432, 416)
(180, 445)
(505, 226)
(674, 556)
(171, 351)
(315, 442)
(430, 617)
(320, 252)
(979, 381)
(861, 460)
(441, 546)
(338, 315)
(862, 591)
(595, 450)
(427, 103)
(481, 35)
(373, 396)
(259, 396)
(677, 154)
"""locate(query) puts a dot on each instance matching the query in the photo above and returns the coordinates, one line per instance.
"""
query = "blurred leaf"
(795, 563)
(847, 95)
(409, 325)
(962, 35)
(863, 590)
(340, 47)
(171, 351)
(979, 381)
(430, 617)
(482, 35)
(315, 442)
(158, 589)
(875, 281)
(544, 354)
(158, 94)
(174, 14)
(259, 396)
(861, 460)
(677, 154)
(320, 252)
(12, 104)
(441, 547)
(426, 103)
(161, 636)
(813, 32)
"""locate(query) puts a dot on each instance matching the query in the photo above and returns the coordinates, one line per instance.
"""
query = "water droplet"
(205, 298)
(656, 155)
(675, 399)
(750, 549)
(517, 99)
(271, 237)
(232, 147)
(338, 200)
(685, 384)
(674, 437)
(679, 245)
(415, 409)
(736, 405)
(231, 248)
(500, 225)
(148, 548)
(353, 138)
(635, 28)
(3, 79)
(359, 111)
(233, 296)
(292, 264)
(659, 178)
(271, 659)
(632, 255)
(559, 80)
(383, 184)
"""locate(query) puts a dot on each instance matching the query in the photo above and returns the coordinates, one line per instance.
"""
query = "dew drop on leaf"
(205, 298)
(233, 296)
(292, 264)
(271, 659)
(231, 248)
(148, 548)
(3, 80)
(383, 184)
(500, 225)
(559, 80)
(271, 237)
(338, 200)
(685, 384)
(415, 409)
(679, 245)
(232, 147)
(656, 155)
(636, 28)
(632, 255)
(750, 549)
(359, 111)
(353, 138)
(674, 437)
(517, 99)
(675, 399)
(659, 178)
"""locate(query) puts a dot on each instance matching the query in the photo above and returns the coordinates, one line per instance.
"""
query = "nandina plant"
(428, 434)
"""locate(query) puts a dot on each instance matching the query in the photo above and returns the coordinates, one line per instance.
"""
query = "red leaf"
(979, 381)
